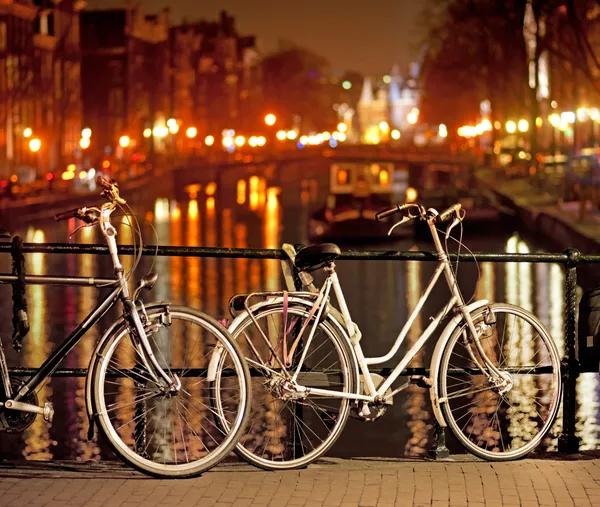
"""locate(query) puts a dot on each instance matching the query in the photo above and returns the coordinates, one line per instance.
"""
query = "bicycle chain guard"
(16, 421)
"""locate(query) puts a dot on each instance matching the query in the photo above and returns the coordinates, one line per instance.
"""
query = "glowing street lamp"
(383, 126)
(240, 141)
(209, 140)
(35, 144)
(292, 134)
(395, 134)
(191, 132)
(147, 133)
(511, 127)
(270, 119)
(124, 141)
(342, 127)
(86, 133)
(27, 132)
(523, 125)
(281, 135)
(84, 143)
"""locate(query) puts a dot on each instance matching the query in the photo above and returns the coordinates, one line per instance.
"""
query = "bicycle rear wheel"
(170, 435)
(493, 419)
(287, 431)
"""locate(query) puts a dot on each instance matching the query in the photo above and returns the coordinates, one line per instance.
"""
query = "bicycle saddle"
(316, 256)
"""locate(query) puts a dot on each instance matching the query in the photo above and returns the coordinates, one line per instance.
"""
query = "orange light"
(124, 141)
(71, 167)
(281, 135)
(147, 133)
(86, 133)
(342, 177)
(191, 132)
(411, 194)
(210, 188)
(84, 142)
(270, 119)
(35, 145)
(240, 140)
(68, 175)
(14, 178)
(105, 164)
(384, 177)
(261, 141)
(209, 141)
(82, 175)
(27, 132)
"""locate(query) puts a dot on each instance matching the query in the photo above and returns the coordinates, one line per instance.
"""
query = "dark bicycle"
(148, 386)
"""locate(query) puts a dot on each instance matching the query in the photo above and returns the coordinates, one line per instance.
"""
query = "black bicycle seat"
(314, 257)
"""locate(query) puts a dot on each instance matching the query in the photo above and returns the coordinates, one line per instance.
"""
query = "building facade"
(216, 77)
(125, 76)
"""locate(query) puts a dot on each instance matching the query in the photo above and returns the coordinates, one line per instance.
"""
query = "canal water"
(380, 294)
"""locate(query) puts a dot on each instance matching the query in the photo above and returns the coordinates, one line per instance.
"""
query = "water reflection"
(36, 348)
(257, 216)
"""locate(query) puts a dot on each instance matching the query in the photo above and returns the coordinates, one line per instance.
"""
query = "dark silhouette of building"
(125, 76)
(216, 79)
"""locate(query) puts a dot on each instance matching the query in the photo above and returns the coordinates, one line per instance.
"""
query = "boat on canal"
(357, 191)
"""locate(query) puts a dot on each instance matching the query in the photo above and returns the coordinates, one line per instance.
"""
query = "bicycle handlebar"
(388, 212)
(449, 213)
(66, 215)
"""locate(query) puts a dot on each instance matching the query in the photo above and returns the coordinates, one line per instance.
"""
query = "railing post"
(568, 441)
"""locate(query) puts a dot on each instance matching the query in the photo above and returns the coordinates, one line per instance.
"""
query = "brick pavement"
(330, 482)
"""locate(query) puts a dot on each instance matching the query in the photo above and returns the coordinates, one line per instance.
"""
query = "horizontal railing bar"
(192, 372)
(60, 280)
(264, 253)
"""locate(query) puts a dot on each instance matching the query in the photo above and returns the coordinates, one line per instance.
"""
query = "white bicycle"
(494, 376)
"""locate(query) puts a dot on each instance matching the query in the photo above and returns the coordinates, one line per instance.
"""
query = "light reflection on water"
(380, 295)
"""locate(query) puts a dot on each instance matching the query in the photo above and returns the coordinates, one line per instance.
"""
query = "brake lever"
(83, 226)
(454, 223)
(403, 221)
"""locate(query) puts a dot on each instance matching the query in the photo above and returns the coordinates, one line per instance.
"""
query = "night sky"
(364, 35)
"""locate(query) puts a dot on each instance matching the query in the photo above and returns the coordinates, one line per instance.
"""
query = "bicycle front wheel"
(501, 417)
(173, 434)
(286, 429)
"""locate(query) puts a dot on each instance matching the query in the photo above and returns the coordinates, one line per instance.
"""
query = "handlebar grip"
(446, 214)
(65, 215)
(387, 212)
(103, 182)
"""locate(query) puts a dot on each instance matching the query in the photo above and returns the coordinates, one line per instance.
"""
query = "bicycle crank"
(47, 411)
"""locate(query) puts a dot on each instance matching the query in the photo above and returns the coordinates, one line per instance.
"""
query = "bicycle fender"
(333, 316)
(436, 358)
(115, 327)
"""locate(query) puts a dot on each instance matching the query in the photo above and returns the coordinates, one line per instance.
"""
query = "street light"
(395, 134)
(383, 126)
(84, 143)
(191, 132)
(209, 140)
(281, 135)
(124, 141)
(147, 133)
(35, 144)
(86, 133)
(240, 141)
(511, 127)
(523, 125)
(27, 132)
(270, 119)
(342, 127)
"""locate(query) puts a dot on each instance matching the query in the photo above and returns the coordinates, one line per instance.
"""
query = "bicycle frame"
(456, 301)
(52, 362)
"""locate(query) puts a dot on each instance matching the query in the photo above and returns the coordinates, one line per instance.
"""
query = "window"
(3, 35)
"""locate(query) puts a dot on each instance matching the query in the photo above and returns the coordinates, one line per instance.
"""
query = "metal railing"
(570, 259)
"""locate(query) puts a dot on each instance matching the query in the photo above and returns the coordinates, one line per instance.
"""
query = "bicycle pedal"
(421, 381)
(48, 413)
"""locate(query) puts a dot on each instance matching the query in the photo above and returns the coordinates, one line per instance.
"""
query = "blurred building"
(388, 103)
(39, 85)
(57, 70)
(125, 77)
(215, 79)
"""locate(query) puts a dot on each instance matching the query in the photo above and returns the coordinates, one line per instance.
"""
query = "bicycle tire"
(202, 460)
